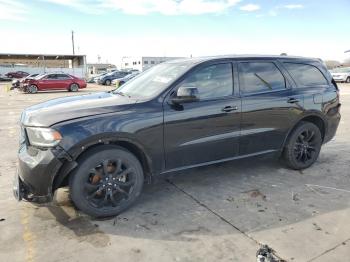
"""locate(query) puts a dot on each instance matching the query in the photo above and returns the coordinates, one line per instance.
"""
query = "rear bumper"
(35, 173)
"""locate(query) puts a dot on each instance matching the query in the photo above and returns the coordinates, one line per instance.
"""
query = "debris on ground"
(230, 199)
(295, 196)
(2, 219)
(317, 227)
(255, 193)
(266, 254)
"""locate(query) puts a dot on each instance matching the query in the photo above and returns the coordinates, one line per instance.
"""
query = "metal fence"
(76, 71)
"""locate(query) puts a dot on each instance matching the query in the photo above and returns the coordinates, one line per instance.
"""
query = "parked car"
(108, 78)
(175, 116)
(121, 81)
(95, 78)
(17, 82)
(53, 82)
(341, 74)
(17, 74)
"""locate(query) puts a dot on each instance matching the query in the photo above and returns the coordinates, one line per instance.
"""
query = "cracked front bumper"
(35, 174)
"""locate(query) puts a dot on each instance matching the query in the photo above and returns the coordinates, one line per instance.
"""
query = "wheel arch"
(312, 118)
(61, 179)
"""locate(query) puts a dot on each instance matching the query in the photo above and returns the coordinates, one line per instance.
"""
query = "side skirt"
(218, 161)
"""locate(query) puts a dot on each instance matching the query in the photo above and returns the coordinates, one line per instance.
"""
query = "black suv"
(177, 115)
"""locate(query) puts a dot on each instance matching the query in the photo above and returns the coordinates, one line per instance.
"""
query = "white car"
(341, 74)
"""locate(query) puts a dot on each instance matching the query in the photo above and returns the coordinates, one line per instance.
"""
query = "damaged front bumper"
(35, 174)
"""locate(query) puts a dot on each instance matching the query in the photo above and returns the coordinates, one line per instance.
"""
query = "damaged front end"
(37, 169)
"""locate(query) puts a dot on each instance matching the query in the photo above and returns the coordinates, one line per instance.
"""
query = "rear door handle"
(229, 108)
(293, 100)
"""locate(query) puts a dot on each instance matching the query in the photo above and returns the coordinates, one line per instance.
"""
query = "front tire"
(303, 146)
(108, 82)
(32, 89)
(108, 180)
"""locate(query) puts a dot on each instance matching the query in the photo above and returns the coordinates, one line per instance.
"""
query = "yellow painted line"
(28, 237)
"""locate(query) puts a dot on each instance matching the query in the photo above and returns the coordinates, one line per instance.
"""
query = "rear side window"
(259, 77)
(306, 75)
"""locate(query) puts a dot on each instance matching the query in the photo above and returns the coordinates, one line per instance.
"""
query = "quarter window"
(212, 82)
(259, 77)
(306, 75)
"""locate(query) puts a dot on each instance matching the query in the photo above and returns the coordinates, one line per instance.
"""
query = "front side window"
(260, 77)
(306, 75)
(62, 76)
(52, 76)
(212, 82)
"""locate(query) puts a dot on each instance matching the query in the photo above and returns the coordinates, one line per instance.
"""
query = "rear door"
(207, 130)
(269, 106)
(63, 81)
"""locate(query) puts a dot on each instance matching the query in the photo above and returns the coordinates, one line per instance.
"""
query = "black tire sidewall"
(289, 148)
(90, 160)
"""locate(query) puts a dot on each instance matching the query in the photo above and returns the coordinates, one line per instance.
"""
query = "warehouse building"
(142, 63)
(43, 63)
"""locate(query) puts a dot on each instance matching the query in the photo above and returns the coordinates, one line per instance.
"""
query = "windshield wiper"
(121, 93)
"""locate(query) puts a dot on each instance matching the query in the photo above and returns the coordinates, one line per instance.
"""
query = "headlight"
(45, 137)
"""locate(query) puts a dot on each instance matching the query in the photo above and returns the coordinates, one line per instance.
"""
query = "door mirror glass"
(186, 95)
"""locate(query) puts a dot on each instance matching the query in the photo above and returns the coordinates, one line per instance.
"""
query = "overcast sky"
(116, 28)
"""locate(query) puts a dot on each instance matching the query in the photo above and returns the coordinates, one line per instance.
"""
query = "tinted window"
(212, 81)
(62, 76)
(306, 75)
(259, 77)
(52, 76)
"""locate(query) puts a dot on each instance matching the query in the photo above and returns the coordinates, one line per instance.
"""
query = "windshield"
(341, 70)
(153, 81)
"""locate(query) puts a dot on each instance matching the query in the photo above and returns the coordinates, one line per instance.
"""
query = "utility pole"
(73, 42)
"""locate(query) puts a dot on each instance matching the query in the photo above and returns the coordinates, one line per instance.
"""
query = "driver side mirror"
(186, 95)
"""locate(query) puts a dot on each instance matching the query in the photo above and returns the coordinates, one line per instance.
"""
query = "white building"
(142, 63)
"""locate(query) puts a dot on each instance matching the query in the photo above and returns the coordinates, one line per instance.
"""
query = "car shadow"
(249, 195)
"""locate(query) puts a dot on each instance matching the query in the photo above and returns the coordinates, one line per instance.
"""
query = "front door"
(207, 130)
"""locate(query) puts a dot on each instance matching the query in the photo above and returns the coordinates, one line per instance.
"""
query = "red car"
(18, 74)
(53, 82)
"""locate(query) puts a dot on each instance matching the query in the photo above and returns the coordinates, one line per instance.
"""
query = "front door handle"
(229, 108)
(293, 100)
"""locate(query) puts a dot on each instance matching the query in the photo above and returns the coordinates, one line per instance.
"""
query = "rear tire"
(108, 180)
(108, 82)
(303, 146)
(74, 87)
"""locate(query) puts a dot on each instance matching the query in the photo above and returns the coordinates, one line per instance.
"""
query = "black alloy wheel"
(303, 146)
(108, 180)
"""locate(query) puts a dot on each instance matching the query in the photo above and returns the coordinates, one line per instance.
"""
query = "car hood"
(62, 109)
